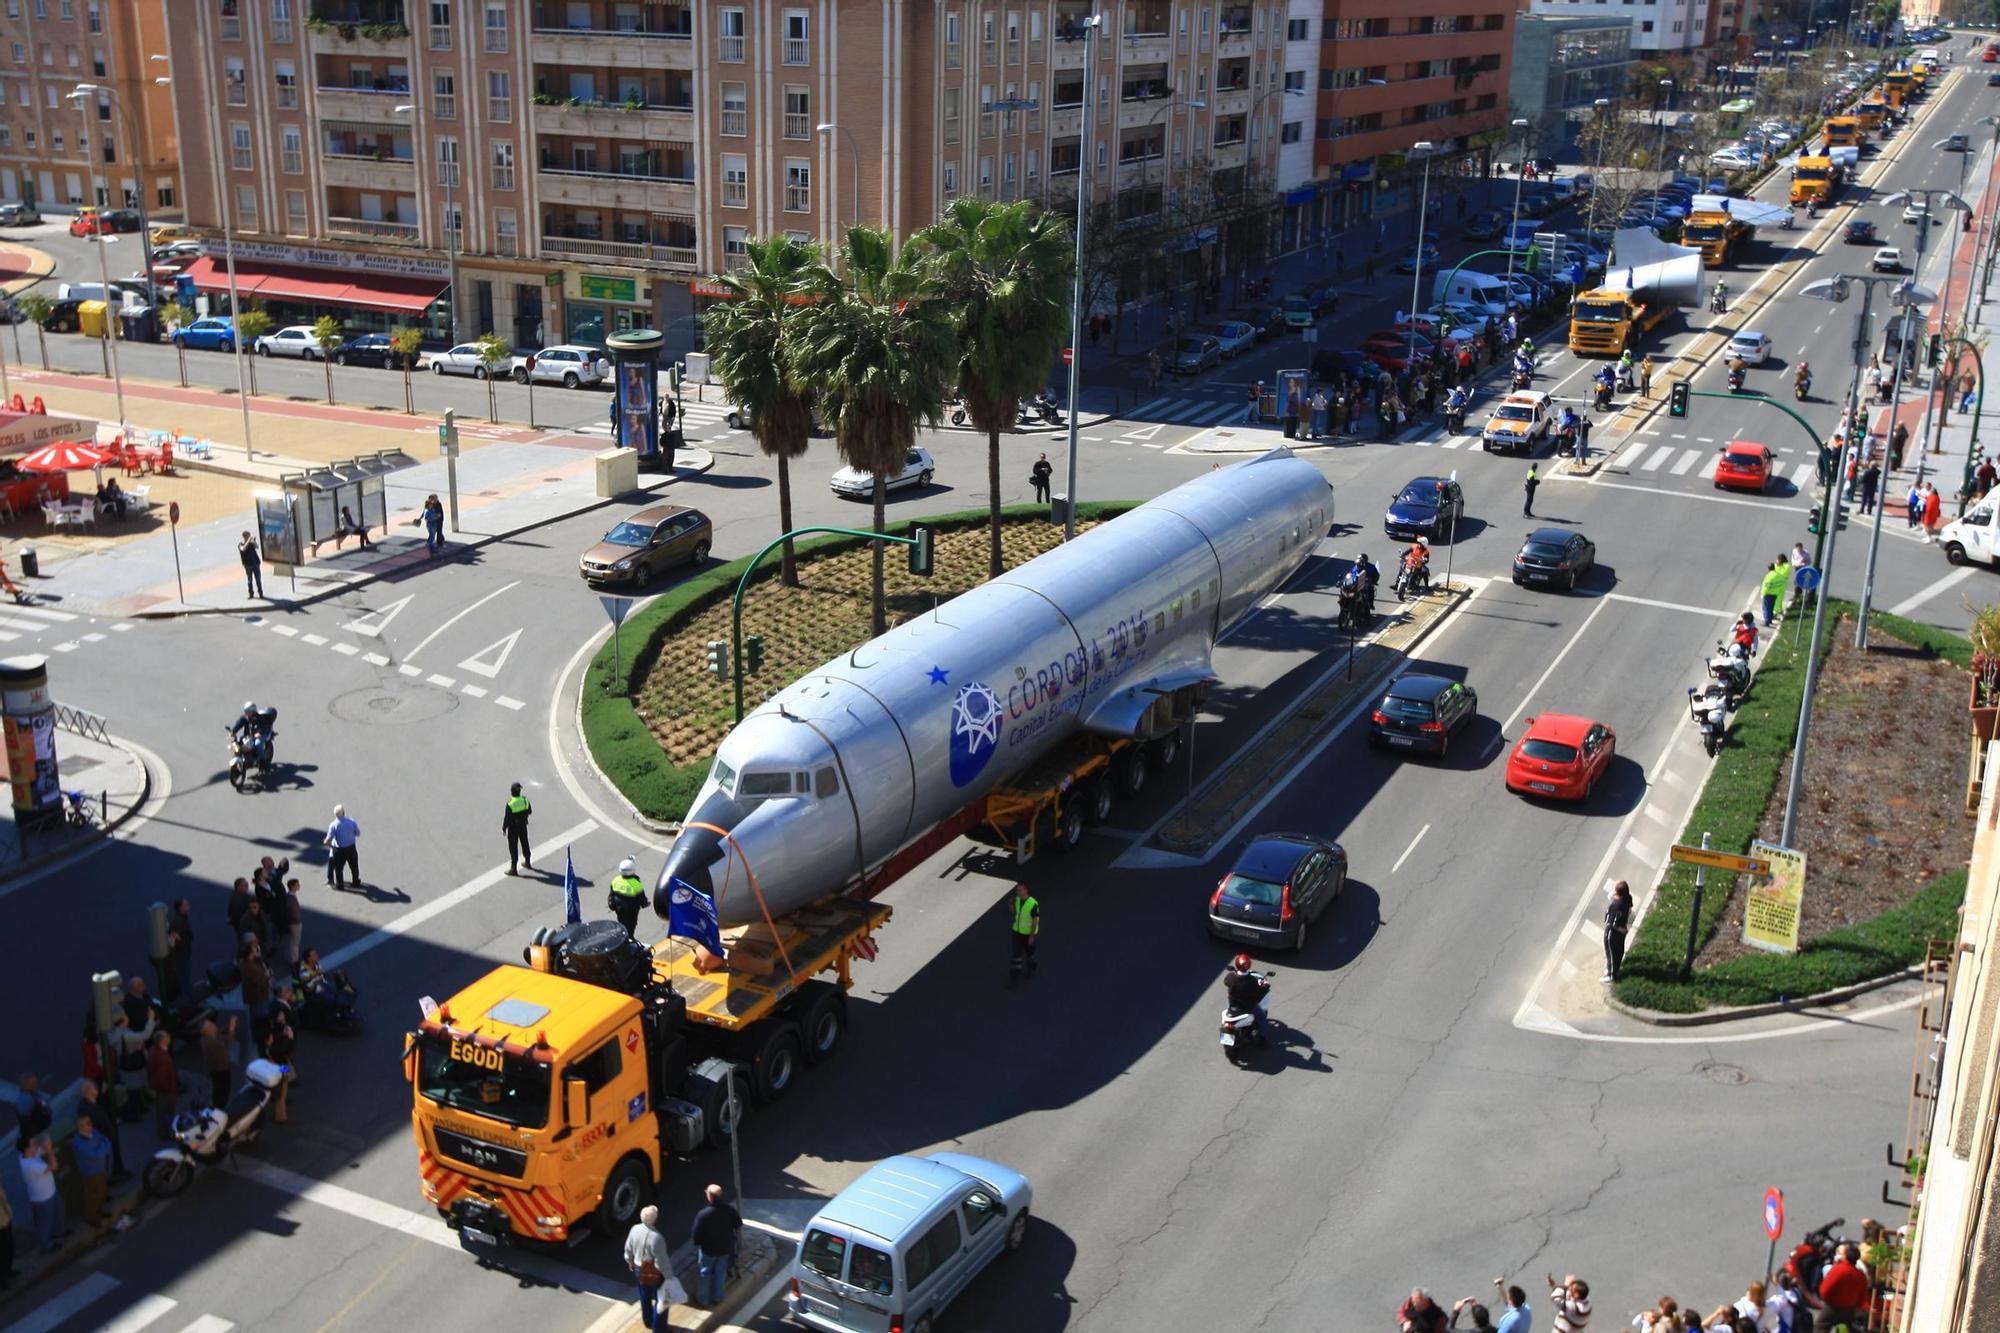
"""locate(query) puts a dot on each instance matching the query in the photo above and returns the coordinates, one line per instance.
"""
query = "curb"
(377, 576)
(1041, 428)
(1708, 1017)
(99, 834)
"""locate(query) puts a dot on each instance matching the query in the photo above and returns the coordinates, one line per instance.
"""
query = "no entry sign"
(1774, 1212)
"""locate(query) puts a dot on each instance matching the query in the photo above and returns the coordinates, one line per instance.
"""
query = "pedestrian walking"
(651, 1264)
(1617, 920)
(1967, 391)
(716, 1230)
(38, 1174)
(1899, 444)
(90, 1149)
(1153, 370)
(1984, 476)
(627, 896)
(1318, 404)
(163, 1081)
(1256, 399)
(215, 1059)
(1646, 376)
(1773, 587)
(1024, 925)
(1039, 476)
(253, 566)
(433, 517)
(1933, 512)
(180, 947)
(1871, 477)
(341, 838)
(1528, 484)
(1913, 506)
(514, 823)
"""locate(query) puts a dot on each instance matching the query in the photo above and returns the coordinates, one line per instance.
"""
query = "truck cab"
(1814, 180)
(1843, 132)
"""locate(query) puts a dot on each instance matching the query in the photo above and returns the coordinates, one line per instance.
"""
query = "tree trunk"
(251, 362)
(492, 411)
(994, 568)
(788, 564)
(181, 351)
(878, 616)
(409, 396)
(326, 363)
(42, 339)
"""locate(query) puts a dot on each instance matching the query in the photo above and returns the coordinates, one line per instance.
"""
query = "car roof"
(1274, 856)
(1745, 333)
(1532, 397)
(1556, 536)
(892, 1195)
(1417, 685)
(1566, 728)
(654, 514)
(1744, 447)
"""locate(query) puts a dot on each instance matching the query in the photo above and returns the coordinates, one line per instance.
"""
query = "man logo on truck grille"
(975, 731)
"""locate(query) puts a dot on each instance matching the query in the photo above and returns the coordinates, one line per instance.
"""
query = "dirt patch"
(689, 710)
(1882, 805)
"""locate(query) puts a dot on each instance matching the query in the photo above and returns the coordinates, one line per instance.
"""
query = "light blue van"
(889, 1252)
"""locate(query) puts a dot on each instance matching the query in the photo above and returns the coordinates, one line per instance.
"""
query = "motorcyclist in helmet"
(1362, 577)
(1744, 634)
(1248, 991)
(1803, 376)
(250, 729)
(1417, 561)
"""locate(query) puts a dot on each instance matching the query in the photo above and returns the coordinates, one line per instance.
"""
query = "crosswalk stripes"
(135, 1316)
(1802, 475)
(1683, 463)
(1659, 458)
(1707, 472)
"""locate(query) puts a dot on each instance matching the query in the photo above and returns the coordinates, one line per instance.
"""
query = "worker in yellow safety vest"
(628, 895)
(514, 823)
(1024, 918)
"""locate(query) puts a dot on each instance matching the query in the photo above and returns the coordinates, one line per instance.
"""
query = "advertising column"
(28, 718)
(635, 375)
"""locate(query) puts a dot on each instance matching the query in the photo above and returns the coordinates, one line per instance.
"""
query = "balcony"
(796, 49)
(1143, 85)
(616, 48)
(367, 171)
(359, 104)
(1232, 32)
(1066, 124)
(357, 25)
(636, 20)
(612, 189)
(613, 120)
(375, 229)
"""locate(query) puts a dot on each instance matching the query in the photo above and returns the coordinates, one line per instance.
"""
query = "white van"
(1521, 235)
(90, 291)
(1483, 291)
(1974, 537)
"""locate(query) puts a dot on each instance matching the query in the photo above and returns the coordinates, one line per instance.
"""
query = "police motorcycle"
(208, 1136)
(1357, 595)
(1708, 708)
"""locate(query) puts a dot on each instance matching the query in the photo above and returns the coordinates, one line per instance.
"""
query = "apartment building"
(1658, 26)
(120, 147)
(1561, 67)
(1391, 77)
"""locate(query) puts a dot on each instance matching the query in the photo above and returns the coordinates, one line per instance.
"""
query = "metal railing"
(795, 50)
(731, 51)
(84, 723)
(377, 227)
(619, 175)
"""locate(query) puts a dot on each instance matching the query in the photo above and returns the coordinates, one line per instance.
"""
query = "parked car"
(1426, 254)
(567, 364)
(647, 542)
(1193, 353)
(1299, 311)
(63, 316)
(207, 335)
(176, 250)
(18, 215)
(1233, 336)
(855, 484)
(1279, 885)
(122, 219)
(1485, 227)
(1915, 209)
(1736, 159)
(165, 233)
(294, 340)
(371, 349)
(88, 221)
(1268, 320)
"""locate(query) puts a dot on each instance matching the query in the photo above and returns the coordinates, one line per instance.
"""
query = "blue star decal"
(938, 674)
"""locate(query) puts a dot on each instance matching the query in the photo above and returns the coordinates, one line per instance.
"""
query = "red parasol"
(65, 456)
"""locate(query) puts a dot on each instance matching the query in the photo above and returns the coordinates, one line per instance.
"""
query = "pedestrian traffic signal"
(1931, 351)
(922, 552)
(753, 654)
(1677, 400)
(718, 658)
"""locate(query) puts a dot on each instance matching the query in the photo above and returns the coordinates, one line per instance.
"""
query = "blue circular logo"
(976, 714)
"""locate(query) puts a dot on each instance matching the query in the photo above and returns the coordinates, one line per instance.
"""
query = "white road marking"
(1707, 472)
(316, 640)
(1668, 606)
(1661, 455)
(455, 619)
(1702, 497)
(43, 613)
(476, 691)
(146, 1310)
(1804, 475)
(346, 649)
(122, 625)
(506, 702)
(374, 622)
(1642, 851)
(1685, 463)
(1555, 662)
(374, 659)
(69, 647)
(53, 1312)
(442, 682)
(410, 670)
(1411, 848)
(93, 638)
(1654, 813)
(210, 1323)
(285, 630)
(1139, 413)
(502, 647)
(1945, 584)
(5, 637)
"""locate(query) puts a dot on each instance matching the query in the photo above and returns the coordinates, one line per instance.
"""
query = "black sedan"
(1860, 232)
(1427, 507)
(1420, 713)
(63, 316)
(1554, 557)
(1278, 887)
(371, 349)
(1268, 320)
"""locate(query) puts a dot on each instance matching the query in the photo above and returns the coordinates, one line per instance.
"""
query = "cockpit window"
(826, 782)
(725, 778)
(764, 784)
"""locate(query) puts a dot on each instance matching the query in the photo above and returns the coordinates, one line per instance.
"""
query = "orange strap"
(756, 891)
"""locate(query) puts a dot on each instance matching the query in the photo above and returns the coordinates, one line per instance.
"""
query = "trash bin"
(1059, 508)
(139, 324)
(91, 317)
(31, 563)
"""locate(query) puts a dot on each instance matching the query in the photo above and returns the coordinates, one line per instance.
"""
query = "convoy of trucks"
(1816, 180)
(1605, 323)
(1718, 235)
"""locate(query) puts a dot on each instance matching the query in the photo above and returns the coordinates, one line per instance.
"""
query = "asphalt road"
(1405, 1132)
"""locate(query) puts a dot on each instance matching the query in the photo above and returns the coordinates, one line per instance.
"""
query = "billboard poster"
(1771, 906)
(29, 734)
(636, 388)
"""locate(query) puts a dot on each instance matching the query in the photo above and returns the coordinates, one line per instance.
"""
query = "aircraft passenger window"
(1194, 600)
(826, 783)
(1160, 622)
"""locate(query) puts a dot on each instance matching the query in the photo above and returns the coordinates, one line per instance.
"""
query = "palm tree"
(327, 336)
(879, 347)
(752, 343)
(1004, 270)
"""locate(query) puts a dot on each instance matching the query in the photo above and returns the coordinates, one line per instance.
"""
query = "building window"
(499, 95)
(1013, 39)
(735, 181)
(986, 111)
(954, 41)
(951, 115)
(67, 8)
(281, 20)
(735, 245)
(496, 28)
(731, 37)
(986, 177)
(42, 8)
(74, 57)
(246, 207)
(1292, 131)
(295, 212)
(234, 90)
(97, 65)
(232, 18)
(798, 113)
(28, 137)
(13, 9)
(1295, 80)
(163, 193)
(1298, 30)
(440, 25)
(448, 162)
(798, 185)
(6, 136)
(48, 55)
(288, 84)
(951, 180)
(239, 146)
(1034, 168)
(454, 222)
(1007, 175)
(798, 36)
(506, 232)
(293, 150)
(444, 95)
(20, 54)
(503, 164)
(735, 109)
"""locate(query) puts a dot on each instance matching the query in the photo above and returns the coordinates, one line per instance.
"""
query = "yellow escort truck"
(549, 1097)
(1716, 234)
(1872, 113)
(1815, 180)
(1605, 323)
(1896, 88)
(1843, 132)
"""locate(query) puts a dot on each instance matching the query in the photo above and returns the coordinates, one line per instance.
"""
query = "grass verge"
(1739, 789)
(617, 737)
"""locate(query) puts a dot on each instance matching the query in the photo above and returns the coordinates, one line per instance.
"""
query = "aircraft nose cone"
(698, 850)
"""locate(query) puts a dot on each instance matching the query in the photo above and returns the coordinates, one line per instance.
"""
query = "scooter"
(1413, 578)
(1717, 303)
(257, 754)
(958, 412)
(1049, 412)
(1709, 707)
(1242, 1028)
(1730, 668)
(327, 1005)
(1802, 388)
(208, 1136)
(1603, 396)
(1523, 377)
(1735, 381)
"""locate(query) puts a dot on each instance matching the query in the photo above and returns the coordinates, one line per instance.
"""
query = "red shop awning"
(283, 282)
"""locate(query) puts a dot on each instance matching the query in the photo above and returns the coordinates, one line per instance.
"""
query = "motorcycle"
(1718, 304)
(1709, 707)
(326, 1004)
(1603, 396)
(1242, 1027)
(1730, 668)
(1357, 606)
(257, 752)
(1802, 388)
(1814, 1252)
(1735, 381)
(1454, 418)
(1046, 407)
(211, 1134)
(1414, 576)
(958, 412)
(1523, 376)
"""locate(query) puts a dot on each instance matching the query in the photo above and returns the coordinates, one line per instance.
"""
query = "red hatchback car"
(1560, 757)
(1743, 466)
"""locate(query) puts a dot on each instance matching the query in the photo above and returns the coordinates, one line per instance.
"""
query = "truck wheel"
(823, 1019)
(625, 1193)
(776, 1066)
(1166, 749)
(1066, 831)
(1954, 553)
(1097, 801)
(1132, 771)
(719, 1115)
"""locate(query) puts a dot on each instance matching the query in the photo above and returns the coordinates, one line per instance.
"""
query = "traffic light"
(922, 549)
(718, 658)
(674, 377)
(1677, 400)
(1932, 350)
(753, 653)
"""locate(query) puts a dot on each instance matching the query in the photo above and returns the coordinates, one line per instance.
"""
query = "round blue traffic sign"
(1806, 577)
(1774, 1212)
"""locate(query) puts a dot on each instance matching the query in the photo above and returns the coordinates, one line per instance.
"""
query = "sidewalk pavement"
(757, 1255)
(112, 777)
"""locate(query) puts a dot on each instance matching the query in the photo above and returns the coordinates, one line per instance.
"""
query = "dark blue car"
(1421, 713)
(1427, 507)
(370, 349)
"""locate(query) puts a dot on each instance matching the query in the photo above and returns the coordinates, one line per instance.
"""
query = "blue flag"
(691, 915)
(572, 909)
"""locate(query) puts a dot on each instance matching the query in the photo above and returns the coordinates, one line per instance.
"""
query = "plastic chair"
(39, 409)
(133, 464)
(15, 404)
(164, 460)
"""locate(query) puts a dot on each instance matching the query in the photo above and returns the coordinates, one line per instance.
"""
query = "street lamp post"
(1520, 174)
(1660, 163)
(1089, 27)
(416, 115)
(222, 208)
(834, 127)
(1250, 158)
(1599, 108)
(1425, 147)
(103, 240)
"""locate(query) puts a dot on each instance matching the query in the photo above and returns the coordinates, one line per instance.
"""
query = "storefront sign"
(348, 261)
(1771, 906)
(553, 280)
(597, 287)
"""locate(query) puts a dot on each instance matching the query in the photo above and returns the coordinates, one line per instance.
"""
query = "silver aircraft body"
(850, 763)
